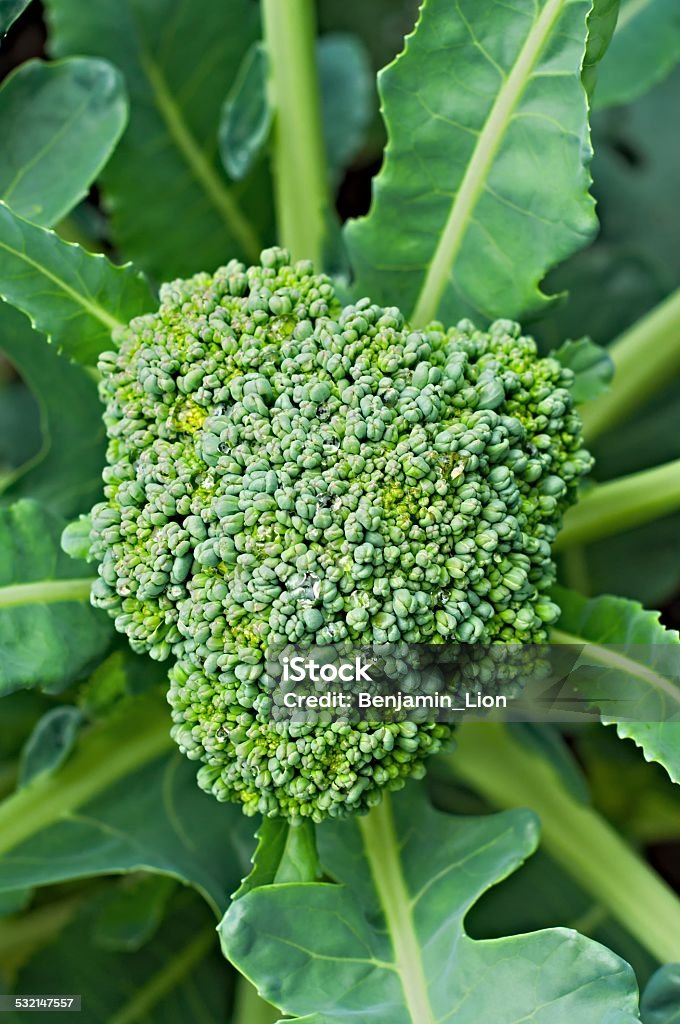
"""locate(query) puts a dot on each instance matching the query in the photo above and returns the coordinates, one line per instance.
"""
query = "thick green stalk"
(135, 734)
(645, 358)
(299, 161)
(508, 774)
(381, 844)
(622, 504)
(45, 592)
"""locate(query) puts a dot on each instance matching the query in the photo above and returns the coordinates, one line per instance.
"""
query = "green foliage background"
(148, 140)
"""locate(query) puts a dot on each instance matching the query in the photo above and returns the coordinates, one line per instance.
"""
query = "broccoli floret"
(285, 470)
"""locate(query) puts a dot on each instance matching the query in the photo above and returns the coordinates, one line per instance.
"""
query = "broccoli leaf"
(51, 742)
(177, 977)
(485, 182)
(59, 124)
(634, 664)
(49, 634)
(347, 97)
(284, 853)
(592, 367)
(661, 998)
(246, 117)
(74, 297)
(10, 10)
(14, 902)
(544, 895)
(66, 472)
(601, 24)
(646, 46)
(382, 943)
(132, 912)
(123, 801)
(173, 211)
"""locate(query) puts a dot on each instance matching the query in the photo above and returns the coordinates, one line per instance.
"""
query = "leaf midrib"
(476, 173)
(381, 845)
(612, 659)
(40, 155)
(93, 308)
(201, 168)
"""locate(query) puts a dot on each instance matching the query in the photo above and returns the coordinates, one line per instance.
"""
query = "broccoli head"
(285, 470)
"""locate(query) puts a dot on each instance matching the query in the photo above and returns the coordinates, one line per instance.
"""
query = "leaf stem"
(299, 160)
(382, 852)
(490, 760)
(45, 592)
(136, 733)
(621, 504)
(645, 358)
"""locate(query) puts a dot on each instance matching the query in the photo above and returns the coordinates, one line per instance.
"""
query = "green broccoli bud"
(285, 470)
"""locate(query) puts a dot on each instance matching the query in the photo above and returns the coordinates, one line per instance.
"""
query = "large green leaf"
(246, 117)
(543, 895)
(59, 125)
(661, 999)
(49, 633)
(50, 743)
(636, 670)
(124, 801)
(347, 96)
(173, 210)
(601, 25)
(284, 853)
(485, 180)
(132, 911)
(9, 12)
(66, 472)
(177, 977)
(388, 946)
(20, 436)
(74, 297)
(645, 47)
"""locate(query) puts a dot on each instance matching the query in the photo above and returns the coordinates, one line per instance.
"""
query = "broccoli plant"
(292, 363)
